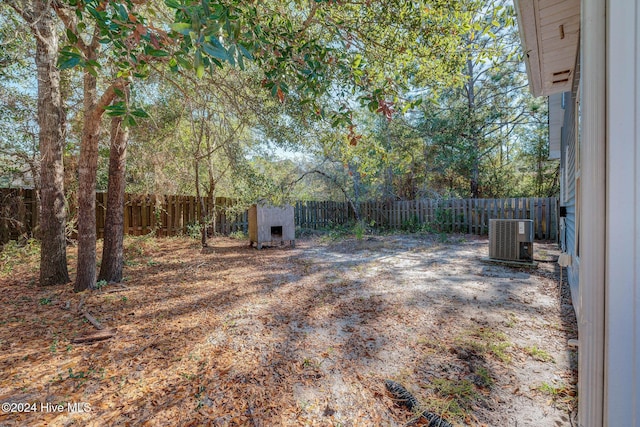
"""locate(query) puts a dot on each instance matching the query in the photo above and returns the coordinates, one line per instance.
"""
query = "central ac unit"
(511, 239)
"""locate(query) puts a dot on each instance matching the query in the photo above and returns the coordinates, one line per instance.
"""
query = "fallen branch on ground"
(120, 288)
(94, 336)
(92, 320)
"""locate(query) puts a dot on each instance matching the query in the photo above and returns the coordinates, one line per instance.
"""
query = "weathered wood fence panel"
(18, 213)
(456, 215)
(177, 215)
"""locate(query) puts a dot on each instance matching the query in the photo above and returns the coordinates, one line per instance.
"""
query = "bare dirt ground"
(306, 336)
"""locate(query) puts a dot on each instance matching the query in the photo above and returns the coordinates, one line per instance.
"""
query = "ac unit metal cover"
(511, 239)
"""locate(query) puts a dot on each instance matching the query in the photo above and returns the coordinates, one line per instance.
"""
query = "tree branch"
(108, 96)
(335, 182)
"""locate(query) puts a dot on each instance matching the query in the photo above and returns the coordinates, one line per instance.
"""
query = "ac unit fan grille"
(505, 233)
(511, 240)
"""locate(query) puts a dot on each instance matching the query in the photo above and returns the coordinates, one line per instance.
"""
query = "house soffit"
(550, 35)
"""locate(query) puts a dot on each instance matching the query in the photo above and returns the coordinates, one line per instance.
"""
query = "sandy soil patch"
(306, 336)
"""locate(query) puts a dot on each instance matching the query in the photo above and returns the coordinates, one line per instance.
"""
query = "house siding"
(622, 329)
(603, 207)
(568, 199)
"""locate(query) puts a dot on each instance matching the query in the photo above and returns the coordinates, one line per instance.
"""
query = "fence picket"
(171, 215)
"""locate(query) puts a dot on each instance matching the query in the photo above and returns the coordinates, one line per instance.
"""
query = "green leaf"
(173, 4)
(231, 56)
(245, 52)
(184, 63)
(130, 121)
(205, 7)
(116, 106)
(139, 112)
(197, 59)
(217, 13)
(216, 52)
(122, 13)
(69, 62)
(183, 28)
(99, 16)
(71, 37)
(241, 62)
(157, 53)
(198, 64)
(357, 61)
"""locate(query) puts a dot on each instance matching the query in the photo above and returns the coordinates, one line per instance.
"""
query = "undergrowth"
(14, 253)
(484, 341)
(560, 393)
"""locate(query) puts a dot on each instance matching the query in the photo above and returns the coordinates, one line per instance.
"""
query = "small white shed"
(271, 225)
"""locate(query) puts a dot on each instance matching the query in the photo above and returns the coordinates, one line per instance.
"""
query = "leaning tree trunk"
(51, 119)
(113, 248)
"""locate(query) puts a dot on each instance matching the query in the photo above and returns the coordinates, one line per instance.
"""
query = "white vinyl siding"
(622, 281)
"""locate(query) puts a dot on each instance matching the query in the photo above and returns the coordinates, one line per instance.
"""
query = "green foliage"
(486, 341)
(335, 232)
(308, 50)
(15, 252)
(19, 156)
(538, 354)
(359, 230)
(412, 225)
(463, 390)
(53, 348)
(560, 393)
(194, 230)
(79, 378)
(238, 235)
(471, 134)
(483, 377)
(444, 220)
(371, 94)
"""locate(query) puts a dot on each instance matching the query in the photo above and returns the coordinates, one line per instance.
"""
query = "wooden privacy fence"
(175, 215)
(18, 213)
(464, 215)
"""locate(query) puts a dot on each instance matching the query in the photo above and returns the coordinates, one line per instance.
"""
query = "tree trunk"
(474, 186)
(113, 248)
(201, 219)
(389, 193)
(87, 169)
(51, 121)
(211, 206)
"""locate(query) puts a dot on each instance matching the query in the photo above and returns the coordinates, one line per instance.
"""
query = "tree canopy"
(282, 99)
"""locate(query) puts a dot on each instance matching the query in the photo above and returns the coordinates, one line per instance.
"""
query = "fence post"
(145, 213)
